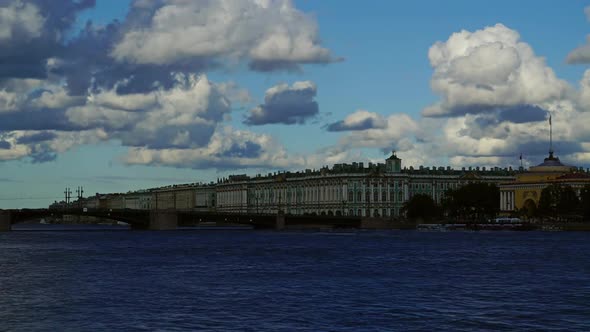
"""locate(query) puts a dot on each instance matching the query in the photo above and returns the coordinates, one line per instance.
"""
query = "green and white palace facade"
(378, 190)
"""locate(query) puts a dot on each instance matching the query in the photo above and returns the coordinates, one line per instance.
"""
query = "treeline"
(479, 201)
(474, 201)
(561, 202)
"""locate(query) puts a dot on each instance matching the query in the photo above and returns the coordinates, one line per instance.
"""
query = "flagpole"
(550, 137)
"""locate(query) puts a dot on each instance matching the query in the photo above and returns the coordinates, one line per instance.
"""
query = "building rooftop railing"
(377, 169)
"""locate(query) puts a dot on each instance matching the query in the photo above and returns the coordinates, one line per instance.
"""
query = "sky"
(120, 95)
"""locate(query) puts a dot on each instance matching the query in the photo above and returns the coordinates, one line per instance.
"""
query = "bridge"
(172, 219)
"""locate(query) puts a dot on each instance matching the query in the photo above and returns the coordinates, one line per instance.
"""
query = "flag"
(521, 156)
(549, 119)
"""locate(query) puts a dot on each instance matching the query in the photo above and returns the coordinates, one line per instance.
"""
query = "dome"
(551, 161)
(551, 164)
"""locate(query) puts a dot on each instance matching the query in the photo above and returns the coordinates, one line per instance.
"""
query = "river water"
(118, 280)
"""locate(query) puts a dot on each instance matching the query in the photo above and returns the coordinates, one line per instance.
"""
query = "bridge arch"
(134, 218)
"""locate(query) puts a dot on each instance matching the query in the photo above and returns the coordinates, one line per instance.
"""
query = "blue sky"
(364, 69)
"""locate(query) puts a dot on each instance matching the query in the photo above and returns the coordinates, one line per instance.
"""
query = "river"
(214, 280)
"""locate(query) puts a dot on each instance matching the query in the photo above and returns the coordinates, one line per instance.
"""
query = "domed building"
(525, 191)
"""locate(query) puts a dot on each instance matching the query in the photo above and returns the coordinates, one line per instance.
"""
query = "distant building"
(379, 190)
(138, 200)
(178, 197)
(525, 191)
(374, 190)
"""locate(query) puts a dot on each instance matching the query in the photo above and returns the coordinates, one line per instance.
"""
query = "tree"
(548, 200)
(585, 201)
(568, 202)
(475, 200)
(557, 200)
(421, 206)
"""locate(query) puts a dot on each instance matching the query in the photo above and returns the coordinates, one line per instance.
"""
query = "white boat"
(432, 227)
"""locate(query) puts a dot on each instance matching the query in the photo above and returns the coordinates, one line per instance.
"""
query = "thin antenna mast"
(550, 137)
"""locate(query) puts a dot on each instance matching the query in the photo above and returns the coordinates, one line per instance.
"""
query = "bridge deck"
(141, 218)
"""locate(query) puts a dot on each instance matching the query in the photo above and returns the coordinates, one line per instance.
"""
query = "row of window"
(299, 194)
(350, 212)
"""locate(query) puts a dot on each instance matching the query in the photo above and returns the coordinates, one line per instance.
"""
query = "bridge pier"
(280, 221)
(163, 220)
(5, 221)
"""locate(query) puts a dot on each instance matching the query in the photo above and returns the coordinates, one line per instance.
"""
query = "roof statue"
(393, 156)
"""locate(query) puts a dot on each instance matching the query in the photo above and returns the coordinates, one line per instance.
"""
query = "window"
(384, 213)
(376, 196)
(350, 196)
(367, 196)
(359, 196)
(384, 196)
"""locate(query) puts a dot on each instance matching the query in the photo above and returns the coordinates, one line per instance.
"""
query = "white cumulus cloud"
(183, 116)
(20, 20)
(479, 71)
(270, 34)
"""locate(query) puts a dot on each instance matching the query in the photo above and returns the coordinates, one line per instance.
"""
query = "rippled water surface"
(294, 281)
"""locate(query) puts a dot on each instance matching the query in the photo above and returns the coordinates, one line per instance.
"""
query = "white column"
(406, 192)
(433, 184)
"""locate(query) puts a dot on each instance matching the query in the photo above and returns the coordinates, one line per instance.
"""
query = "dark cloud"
(289, 66)
(494, 123)
(61, 15)
(541, 148)
(35, 68)
(580, 55)
(42, 154)
(27, 57)
(37, 137)
(537, 150)
(245, 150)
(471, 109)
(169, 137)
(100, 63)
(89, 65)
(525, 113)
(44, 119)
(368, 123)
(522, 114)
(286, 105)
(269, 66)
